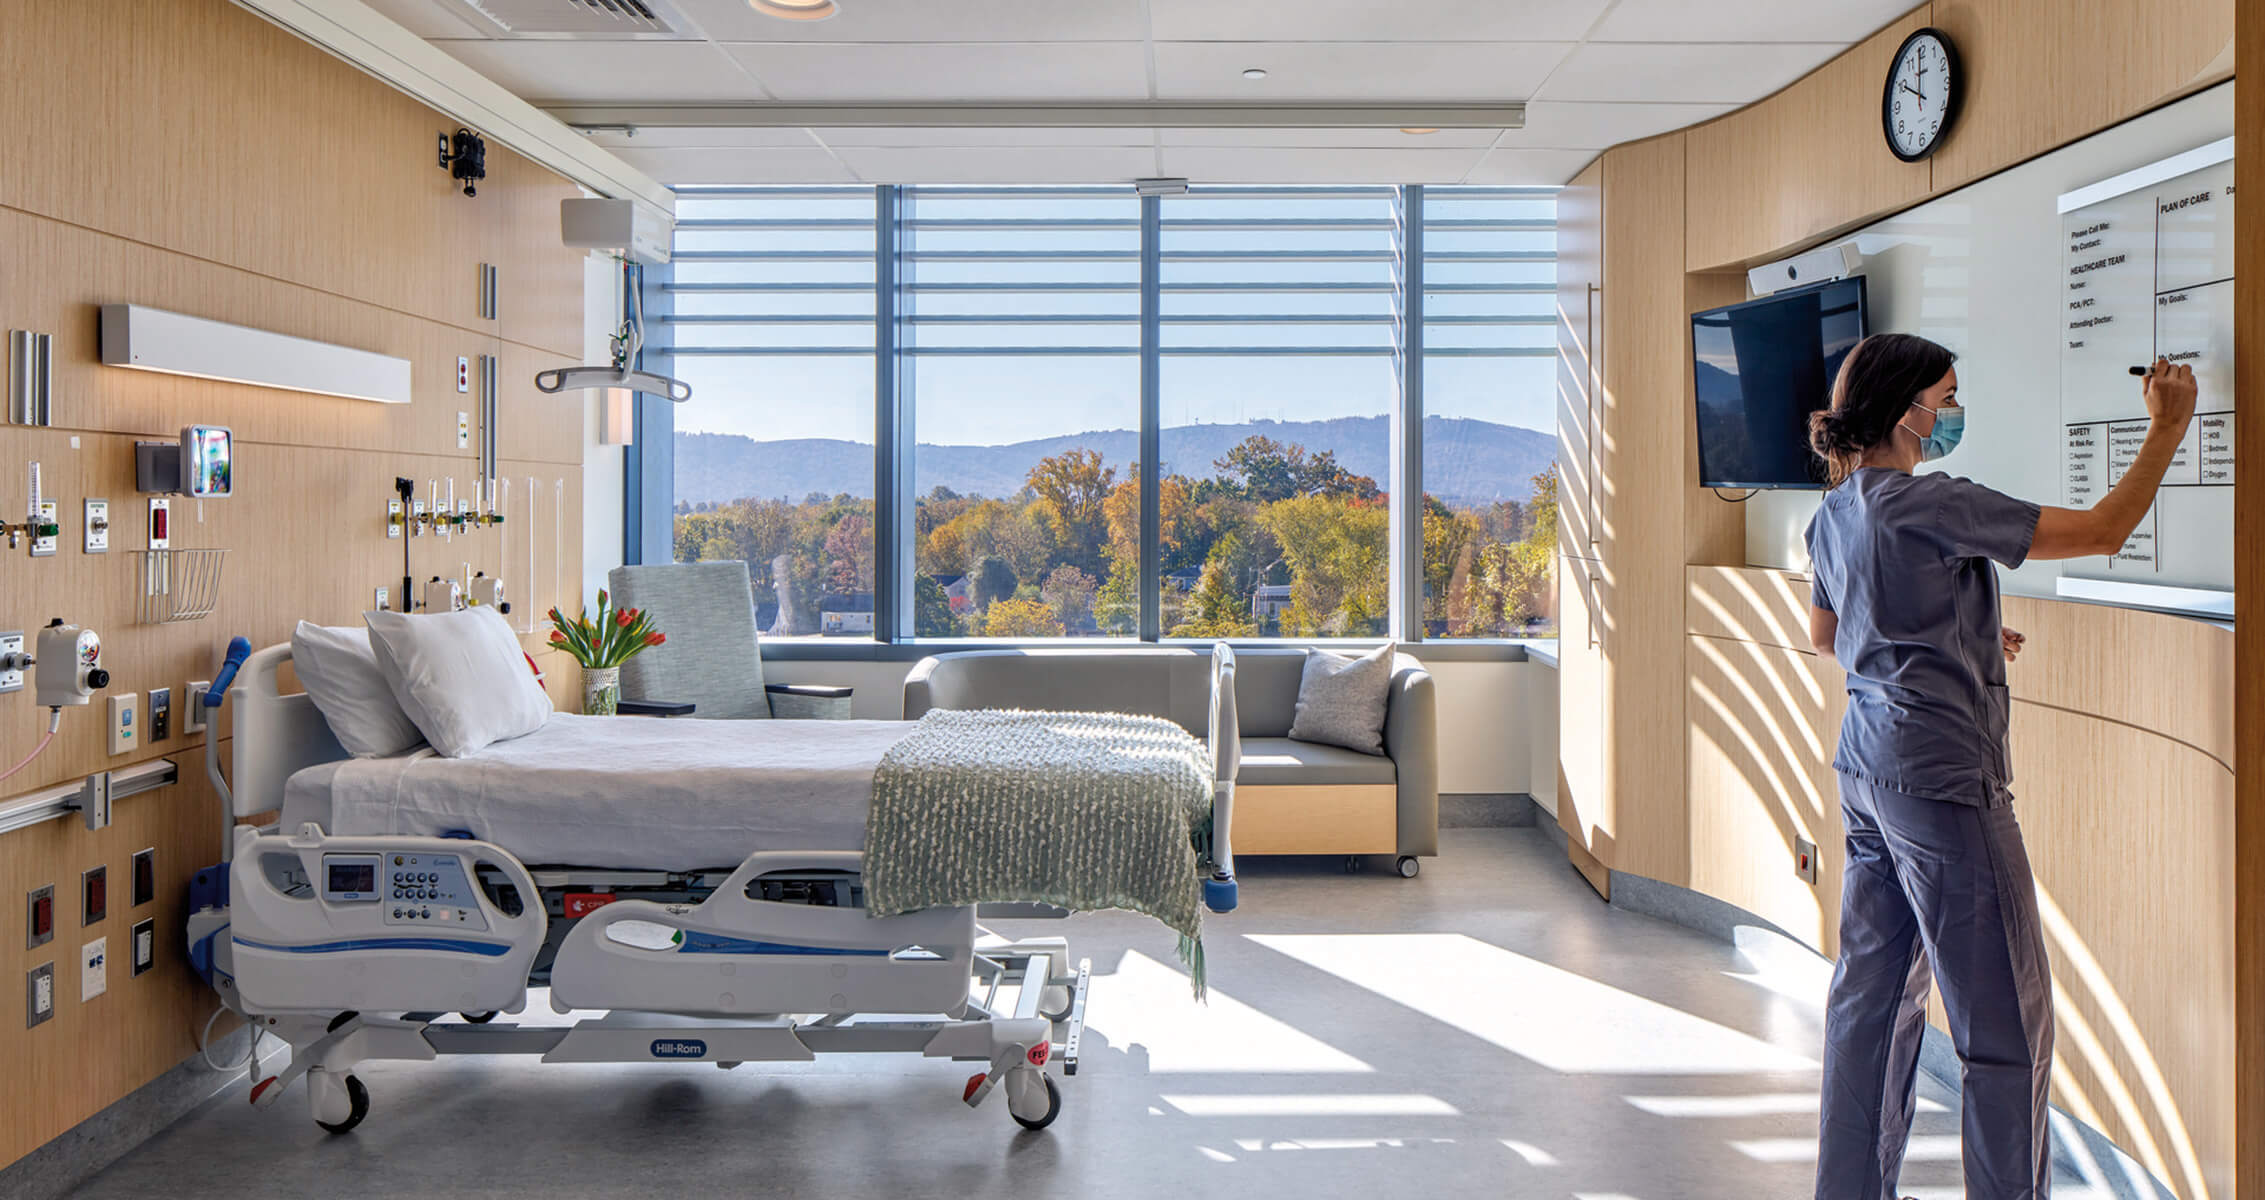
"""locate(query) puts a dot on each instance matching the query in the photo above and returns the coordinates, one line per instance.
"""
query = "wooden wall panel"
(1807, 161)
(2249, 641)
(186, 155)
(1644, 424)
(2043, 73)
(1580, 260)
(1750, 604)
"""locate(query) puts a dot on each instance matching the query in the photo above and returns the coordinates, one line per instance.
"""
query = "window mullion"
(893, 512)
(1406, 579)
(1151, 420)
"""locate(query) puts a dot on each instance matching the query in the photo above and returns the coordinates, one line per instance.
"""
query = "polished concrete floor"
(1489, 1029)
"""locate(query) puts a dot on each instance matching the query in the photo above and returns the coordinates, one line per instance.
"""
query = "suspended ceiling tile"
(999, 164)
(1690, 74)
(1530, 167)
(682, 167)
(1354, 73)
(820, 73)
(706, 138)
(927, 21)
(1226, 164)
(429, 18)
(1369, 21)
(1386, 138)
(601, 71)
(1564, 125)
(1845, 22)
(983, 136)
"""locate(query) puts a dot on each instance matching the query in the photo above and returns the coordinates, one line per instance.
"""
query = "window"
(771, 321)
(1489, 387)
(1278, 376)
(1023, 314)
(1022, 342)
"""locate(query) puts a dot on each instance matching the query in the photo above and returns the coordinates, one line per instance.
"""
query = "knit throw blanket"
(1080, 810)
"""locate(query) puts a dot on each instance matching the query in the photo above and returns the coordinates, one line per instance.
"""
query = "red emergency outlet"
(43, 917)
(157, 524)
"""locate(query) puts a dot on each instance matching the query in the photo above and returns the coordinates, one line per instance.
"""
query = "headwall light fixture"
(1419, 129)
(795, 10)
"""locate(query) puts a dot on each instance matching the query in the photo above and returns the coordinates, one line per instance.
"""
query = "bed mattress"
(663, 795)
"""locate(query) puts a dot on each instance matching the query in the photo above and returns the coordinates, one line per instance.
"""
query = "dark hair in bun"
(1879, 380)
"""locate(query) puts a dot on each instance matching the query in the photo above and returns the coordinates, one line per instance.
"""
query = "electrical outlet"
(145, 946)
(94, 893)
(124, 734)
(94, 969)
(463, 375)
(145, 877)
(39, 994)
(39, 909)
(193, 721)
(463, 430)
(393, 520)
(384, 599)
(160, 714)
(11, 651)
(1805, 860)
(50, 513)
(98, 527)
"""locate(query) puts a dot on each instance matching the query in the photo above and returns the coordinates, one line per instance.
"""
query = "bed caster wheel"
(357, 1105)
(1055, 1003)
(479, 1018)
(1408, 866)
(1352, 864)
(1023, 1102)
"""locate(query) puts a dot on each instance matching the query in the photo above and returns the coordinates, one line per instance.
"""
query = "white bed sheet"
(639, 793)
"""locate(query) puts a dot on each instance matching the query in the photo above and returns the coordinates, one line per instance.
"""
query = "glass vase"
(601, 691)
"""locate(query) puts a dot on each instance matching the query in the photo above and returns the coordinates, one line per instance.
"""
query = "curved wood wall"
(2124, 722)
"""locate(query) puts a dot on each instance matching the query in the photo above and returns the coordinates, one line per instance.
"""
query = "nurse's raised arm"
(2104, 527)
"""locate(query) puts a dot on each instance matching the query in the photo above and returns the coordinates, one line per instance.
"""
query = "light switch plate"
(12, 680)
(125, 726)
(39, 994)
(98, 527)
(160, 523)
(50, 513)
(94, 969)
(145, 945)
(193, 720)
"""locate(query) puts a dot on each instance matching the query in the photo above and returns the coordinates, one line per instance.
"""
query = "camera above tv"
(1759, 369)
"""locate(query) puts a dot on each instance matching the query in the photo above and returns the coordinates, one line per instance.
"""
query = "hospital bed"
(687, 891)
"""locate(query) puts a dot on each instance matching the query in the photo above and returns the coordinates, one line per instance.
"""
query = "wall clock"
(1921, 100)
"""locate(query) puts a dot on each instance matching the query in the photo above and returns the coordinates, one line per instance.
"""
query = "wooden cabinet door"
(1584, 798)
(1580, 264)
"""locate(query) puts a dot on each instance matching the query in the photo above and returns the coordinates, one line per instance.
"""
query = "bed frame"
(353, 949)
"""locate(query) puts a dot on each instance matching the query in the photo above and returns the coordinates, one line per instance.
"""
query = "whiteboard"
(1983, 270)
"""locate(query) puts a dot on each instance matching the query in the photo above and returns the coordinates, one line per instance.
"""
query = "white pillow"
(460, 676)
(340, 674)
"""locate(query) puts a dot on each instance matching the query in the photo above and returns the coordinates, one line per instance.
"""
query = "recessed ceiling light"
(1418, 129)
(794, 10)
(1255, 73)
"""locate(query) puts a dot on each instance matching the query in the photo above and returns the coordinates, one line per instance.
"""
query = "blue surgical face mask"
(1942, 437)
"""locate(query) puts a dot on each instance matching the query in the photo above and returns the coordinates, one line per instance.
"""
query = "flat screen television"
(1760, 368)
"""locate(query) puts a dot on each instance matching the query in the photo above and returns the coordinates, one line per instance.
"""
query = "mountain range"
(1466, 462)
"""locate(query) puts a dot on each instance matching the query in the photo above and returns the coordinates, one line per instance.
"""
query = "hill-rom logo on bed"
(679, 1048)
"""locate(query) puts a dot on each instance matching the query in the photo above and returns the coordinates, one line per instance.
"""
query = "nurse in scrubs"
(1937, 884)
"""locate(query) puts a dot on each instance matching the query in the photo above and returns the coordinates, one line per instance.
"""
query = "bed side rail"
(276, 735)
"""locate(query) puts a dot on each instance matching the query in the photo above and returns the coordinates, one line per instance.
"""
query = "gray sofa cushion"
(1341, 700)
(1280, 762)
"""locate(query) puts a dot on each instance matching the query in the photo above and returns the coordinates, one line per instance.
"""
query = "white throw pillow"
(340, 673)
(1341, 700)
(460, 676)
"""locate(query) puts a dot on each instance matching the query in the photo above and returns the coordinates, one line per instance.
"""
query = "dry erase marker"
(2141, 370)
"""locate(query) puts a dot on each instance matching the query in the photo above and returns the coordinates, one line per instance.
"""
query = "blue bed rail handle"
(239, 649)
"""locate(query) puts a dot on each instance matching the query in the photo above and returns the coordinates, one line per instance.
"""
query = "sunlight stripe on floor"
(1147, 1004)
(1313, 1105)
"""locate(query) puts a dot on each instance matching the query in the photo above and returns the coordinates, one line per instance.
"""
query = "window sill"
(867, 650)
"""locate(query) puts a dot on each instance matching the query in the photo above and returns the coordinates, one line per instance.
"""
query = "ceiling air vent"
(578, 18)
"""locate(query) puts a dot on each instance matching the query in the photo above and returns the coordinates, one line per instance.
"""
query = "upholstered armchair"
(711, 666)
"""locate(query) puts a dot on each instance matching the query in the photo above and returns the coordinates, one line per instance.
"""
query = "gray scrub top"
(1904, 562)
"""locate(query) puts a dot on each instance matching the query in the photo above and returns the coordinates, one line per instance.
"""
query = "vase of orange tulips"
(601, 643)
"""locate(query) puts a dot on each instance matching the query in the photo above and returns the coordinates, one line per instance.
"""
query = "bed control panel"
(430, 889)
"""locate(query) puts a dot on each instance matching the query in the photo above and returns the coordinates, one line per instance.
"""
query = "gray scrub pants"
(1935, 883)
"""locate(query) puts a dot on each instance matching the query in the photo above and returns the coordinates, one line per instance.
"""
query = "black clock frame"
(1950, 110)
